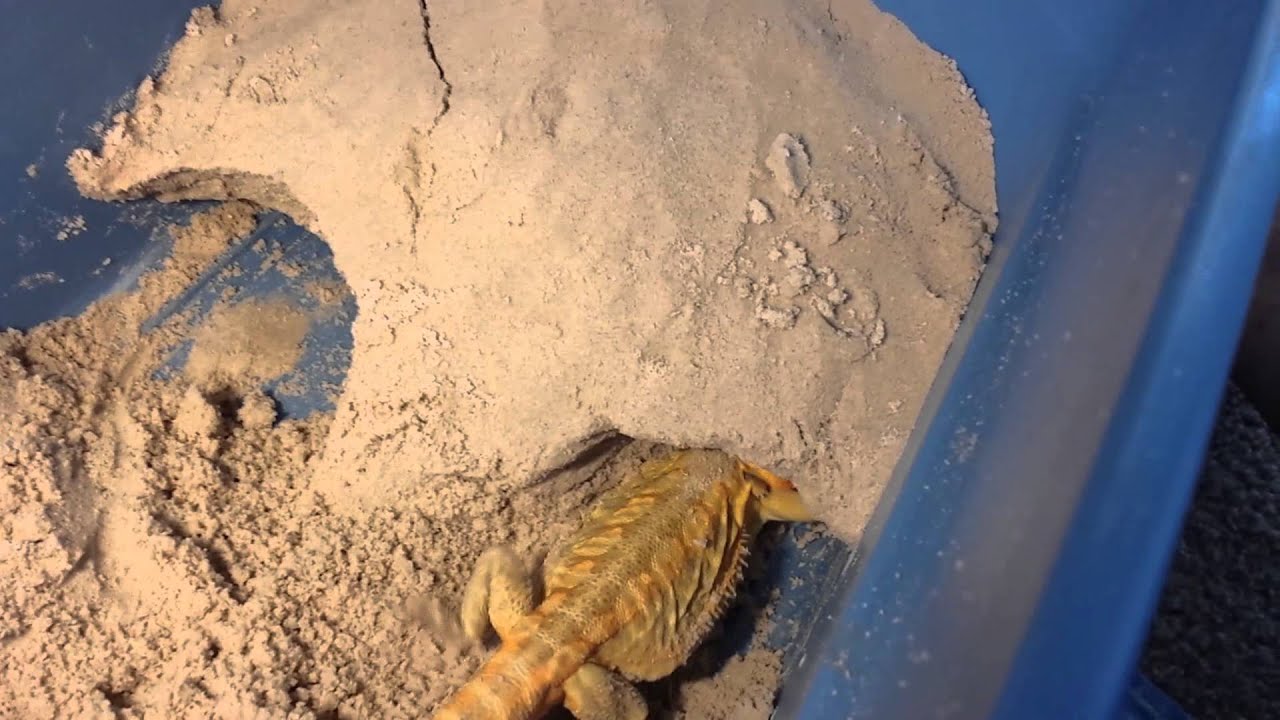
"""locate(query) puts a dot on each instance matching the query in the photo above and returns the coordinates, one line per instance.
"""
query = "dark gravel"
(1215, 643)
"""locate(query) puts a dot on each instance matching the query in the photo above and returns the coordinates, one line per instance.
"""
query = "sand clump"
(756, 231)
(247, 343)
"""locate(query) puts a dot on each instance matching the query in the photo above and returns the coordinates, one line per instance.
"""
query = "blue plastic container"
(1136, 157)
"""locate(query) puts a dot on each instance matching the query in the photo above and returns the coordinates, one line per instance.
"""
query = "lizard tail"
(523, 679)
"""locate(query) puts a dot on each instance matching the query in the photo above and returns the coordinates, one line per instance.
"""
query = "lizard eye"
(783, 485)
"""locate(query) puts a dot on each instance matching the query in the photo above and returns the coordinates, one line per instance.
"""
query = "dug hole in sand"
(564, 225)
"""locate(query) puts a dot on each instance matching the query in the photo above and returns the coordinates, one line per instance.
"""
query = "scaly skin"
(630, 597)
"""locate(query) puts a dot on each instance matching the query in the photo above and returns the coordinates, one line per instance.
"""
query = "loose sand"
(564, 225)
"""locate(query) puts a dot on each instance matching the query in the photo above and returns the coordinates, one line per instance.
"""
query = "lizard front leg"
(500, 593)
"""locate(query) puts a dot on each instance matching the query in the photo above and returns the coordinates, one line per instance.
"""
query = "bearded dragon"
(630, 595)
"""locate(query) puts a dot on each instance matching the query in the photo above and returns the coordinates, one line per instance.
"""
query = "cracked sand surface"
(544, 248)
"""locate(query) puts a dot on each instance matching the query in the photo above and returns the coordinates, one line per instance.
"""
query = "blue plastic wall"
(1011, 570)
(68, 66)
(1014, 567)
(64, 67)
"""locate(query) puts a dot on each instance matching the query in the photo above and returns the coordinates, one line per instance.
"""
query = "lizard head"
(777, 498)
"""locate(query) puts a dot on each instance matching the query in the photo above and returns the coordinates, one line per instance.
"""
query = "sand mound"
(542, 209)
(562, 224)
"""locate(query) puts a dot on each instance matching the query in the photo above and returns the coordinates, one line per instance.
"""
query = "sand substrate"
(564, 225)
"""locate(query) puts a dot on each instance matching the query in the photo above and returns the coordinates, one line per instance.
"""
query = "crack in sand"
(435, 60)
(553, 283)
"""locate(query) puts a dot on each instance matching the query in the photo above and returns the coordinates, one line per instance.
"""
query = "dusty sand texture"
(542, 208)
(163, 554)
(740, 689)
(247, 343)
(753, 230)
